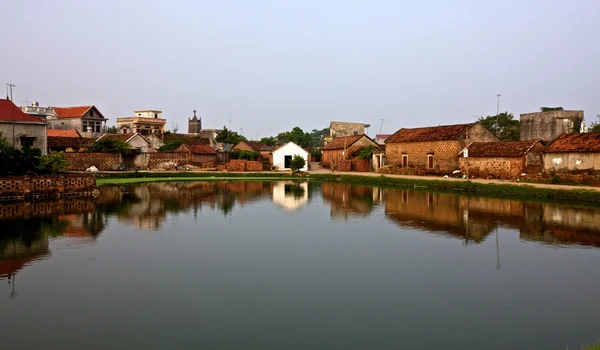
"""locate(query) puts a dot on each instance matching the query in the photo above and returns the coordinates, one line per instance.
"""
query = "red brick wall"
(344, 165)
(445, 154)
(254, 166)
(361, 165)
(102, 161)
(505, 168)
(236, 165)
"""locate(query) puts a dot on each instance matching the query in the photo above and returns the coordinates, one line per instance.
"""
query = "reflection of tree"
(295, 190)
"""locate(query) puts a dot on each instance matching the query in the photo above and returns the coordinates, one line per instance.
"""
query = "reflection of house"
(504, 159)
(87, 120)
(350, 200)
(345, 148)
(145, 122)
(573, 152)
(282, 156)
(21, 129)
(433, 148)
(136, 141)
(16, 255)
(199, 154)
(290, 195)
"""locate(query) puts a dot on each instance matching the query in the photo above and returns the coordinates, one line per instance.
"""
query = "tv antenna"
(381, 127)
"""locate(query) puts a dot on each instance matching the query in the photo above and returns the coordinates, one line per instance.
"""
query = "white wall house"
(282, 156)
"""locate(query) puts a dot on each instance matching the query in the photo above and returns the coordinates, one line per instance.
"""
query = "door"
(287, 160)
(404, 160)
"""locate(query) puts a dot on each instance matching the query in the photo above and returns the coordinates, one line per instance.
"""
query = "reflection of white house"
(282, 156)
(291, 196)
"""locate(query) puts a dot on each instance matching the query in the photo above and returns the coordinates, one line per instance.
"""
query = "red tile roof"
(429, 134)
(123, 137)
(382, 136)
(586, 142)
(71, 112)
(9, 112)
(55, 142)
(501, 149)
(63, 133)
(185, 138)
(196, 149)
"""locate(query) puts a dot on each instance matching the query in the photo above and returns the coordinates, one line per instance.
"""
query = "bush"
(110, 145)
(15, 161)
(555, 179)
(246, 155)
(52, 163)
(297, 163)
(170, 146)
(366, 152)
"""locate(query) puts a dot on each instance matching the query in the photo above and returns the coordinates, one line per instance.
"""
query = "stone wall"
(340, 129)
(154, 160)
(102, 161)
(549, 125)
(26, 186)
(344, 165)
(445, 155)
(504, 168)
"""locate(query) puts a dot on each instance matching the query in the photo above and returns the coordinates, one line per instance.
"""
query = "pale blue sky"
(271, 65)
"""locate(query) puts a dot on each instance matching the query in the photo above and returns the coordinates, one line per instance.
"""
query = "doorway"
(287, 161)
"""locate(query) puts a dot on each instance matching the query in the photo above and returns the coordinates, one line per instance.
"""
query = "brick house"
(573, 153)
(67, 141)
(434, 149)
(504, 159)
(265, 151)
(202, 155)
(345, 148)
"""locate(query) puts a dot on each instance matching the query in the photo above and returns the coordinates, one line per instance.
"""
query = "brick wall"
(445, 154)
(361, 165)
(344, 165)
(102, 161)
(43, 185)
(505, 168)
(333, 155)
(254, 166)
(151, 161)
(236, 165)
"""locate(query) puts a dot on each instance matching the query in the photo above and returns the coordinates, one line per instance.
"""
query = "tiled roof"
(9, 112)
(185, 138)
(500, 149)
(63, 133)
(429, 134)
(256, 146)
(196, 149)
(340, 142)
(123, 137)
(71, 112)
(586, 142)
(64, 142)
(382, 136)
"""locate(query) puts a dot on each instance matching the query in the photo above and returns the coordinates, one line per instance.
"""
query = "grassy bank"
(430, 184)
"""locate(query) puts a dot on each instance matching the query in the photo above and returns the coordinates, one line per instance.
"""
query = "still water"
(275, 265)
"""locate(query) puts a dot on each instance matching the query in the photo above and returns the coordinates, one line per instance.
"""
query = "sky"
(266, 66)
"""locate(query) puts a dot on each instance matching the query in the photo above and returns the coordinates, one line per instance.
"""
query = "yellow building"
(145, 122)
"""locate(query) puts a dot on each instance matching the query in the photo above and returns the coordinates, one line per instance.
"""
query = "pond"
(285, 265)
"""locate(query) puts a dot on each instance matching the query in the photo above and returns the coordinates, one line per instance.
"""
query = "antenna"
(498, 114)
(10, 87)
(229, 124)
(381, 127)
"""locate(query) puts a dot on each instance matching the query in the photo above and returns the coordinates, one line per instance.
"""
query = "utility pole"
(10, 87)
(498, 114)
(229, 127)
(381, 127)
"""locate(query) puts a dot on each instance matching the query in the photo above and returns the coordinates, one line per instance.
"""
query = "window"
(430, 161)
(355, 133)
(27, 142)
(404, 160)
(92, 113)
(155, 116)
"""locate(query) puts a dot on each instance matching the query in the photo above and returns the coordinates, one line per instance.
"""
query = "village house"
(144, 122)
(136, 141)
(345, 148)
(43, 113)
(265, 151)
(434, 149)
(504, 159)
(67, 141)
(549, 125)
(87, 120)
(380, 138)
(21, 129)
(202, 155)
(282, 156)
(573, 153)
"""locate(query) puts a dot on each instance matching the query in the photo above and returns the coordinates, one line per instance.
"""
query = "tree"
(111, 130)
(110, 145)
(297, 163)
(269, 141)
(367, 152)
(317, 137)
(297, 136)
(53, 162)
(171, 145)
(503, 125)
(228, 136)
(595, 126)
(549, 109)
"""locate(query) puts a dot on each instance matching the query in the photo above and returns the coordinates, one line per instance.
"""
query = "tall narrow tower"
(194, 124)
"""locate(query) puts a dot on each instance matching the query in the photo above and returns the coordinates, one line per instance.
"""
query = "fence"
(46, 186)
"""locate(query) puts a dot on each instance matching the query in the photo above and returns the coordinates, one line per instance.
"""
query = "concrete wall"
(445, 154)
(505, 168)
(289, 149)
(138, 142)
(38, 131)
(478, 133)
(340, 129)
(549, 125)
(565, 162)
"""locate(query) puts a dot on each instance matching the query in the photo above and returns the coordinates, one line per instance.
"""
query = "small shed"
(264, 150)
(345, 148)
(203, 155)
(572, 153)
(504, 159)
(283, 155)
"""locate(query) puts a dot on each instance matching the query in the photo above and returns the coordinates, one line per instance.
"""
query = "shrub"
(555, 179)
(297, 163)
(366, 152)
(246, 155)
(52, 163)
(170, 146)
(110, 145)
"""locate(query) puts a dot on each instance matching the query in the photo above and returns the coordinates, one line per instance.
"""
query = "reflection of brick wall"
(505, 168)
(254, 166)
(102, 161)
(44, 185)
(20, 209)
(362, 165)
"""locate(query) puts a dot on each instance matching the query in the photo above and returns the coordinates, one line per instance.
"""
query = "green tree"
(110, 145)
(171, 145)
(53, 163)
(111, 130)
(317, 137)
(269, 141)
(503, 125)
(297, 136)
(595, 126)
(549, 109)
(366, 152)
(228, 136)
(297, 163)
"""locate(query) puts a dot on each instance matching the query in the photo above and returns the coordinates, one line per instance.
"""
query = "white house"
(282, 156)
